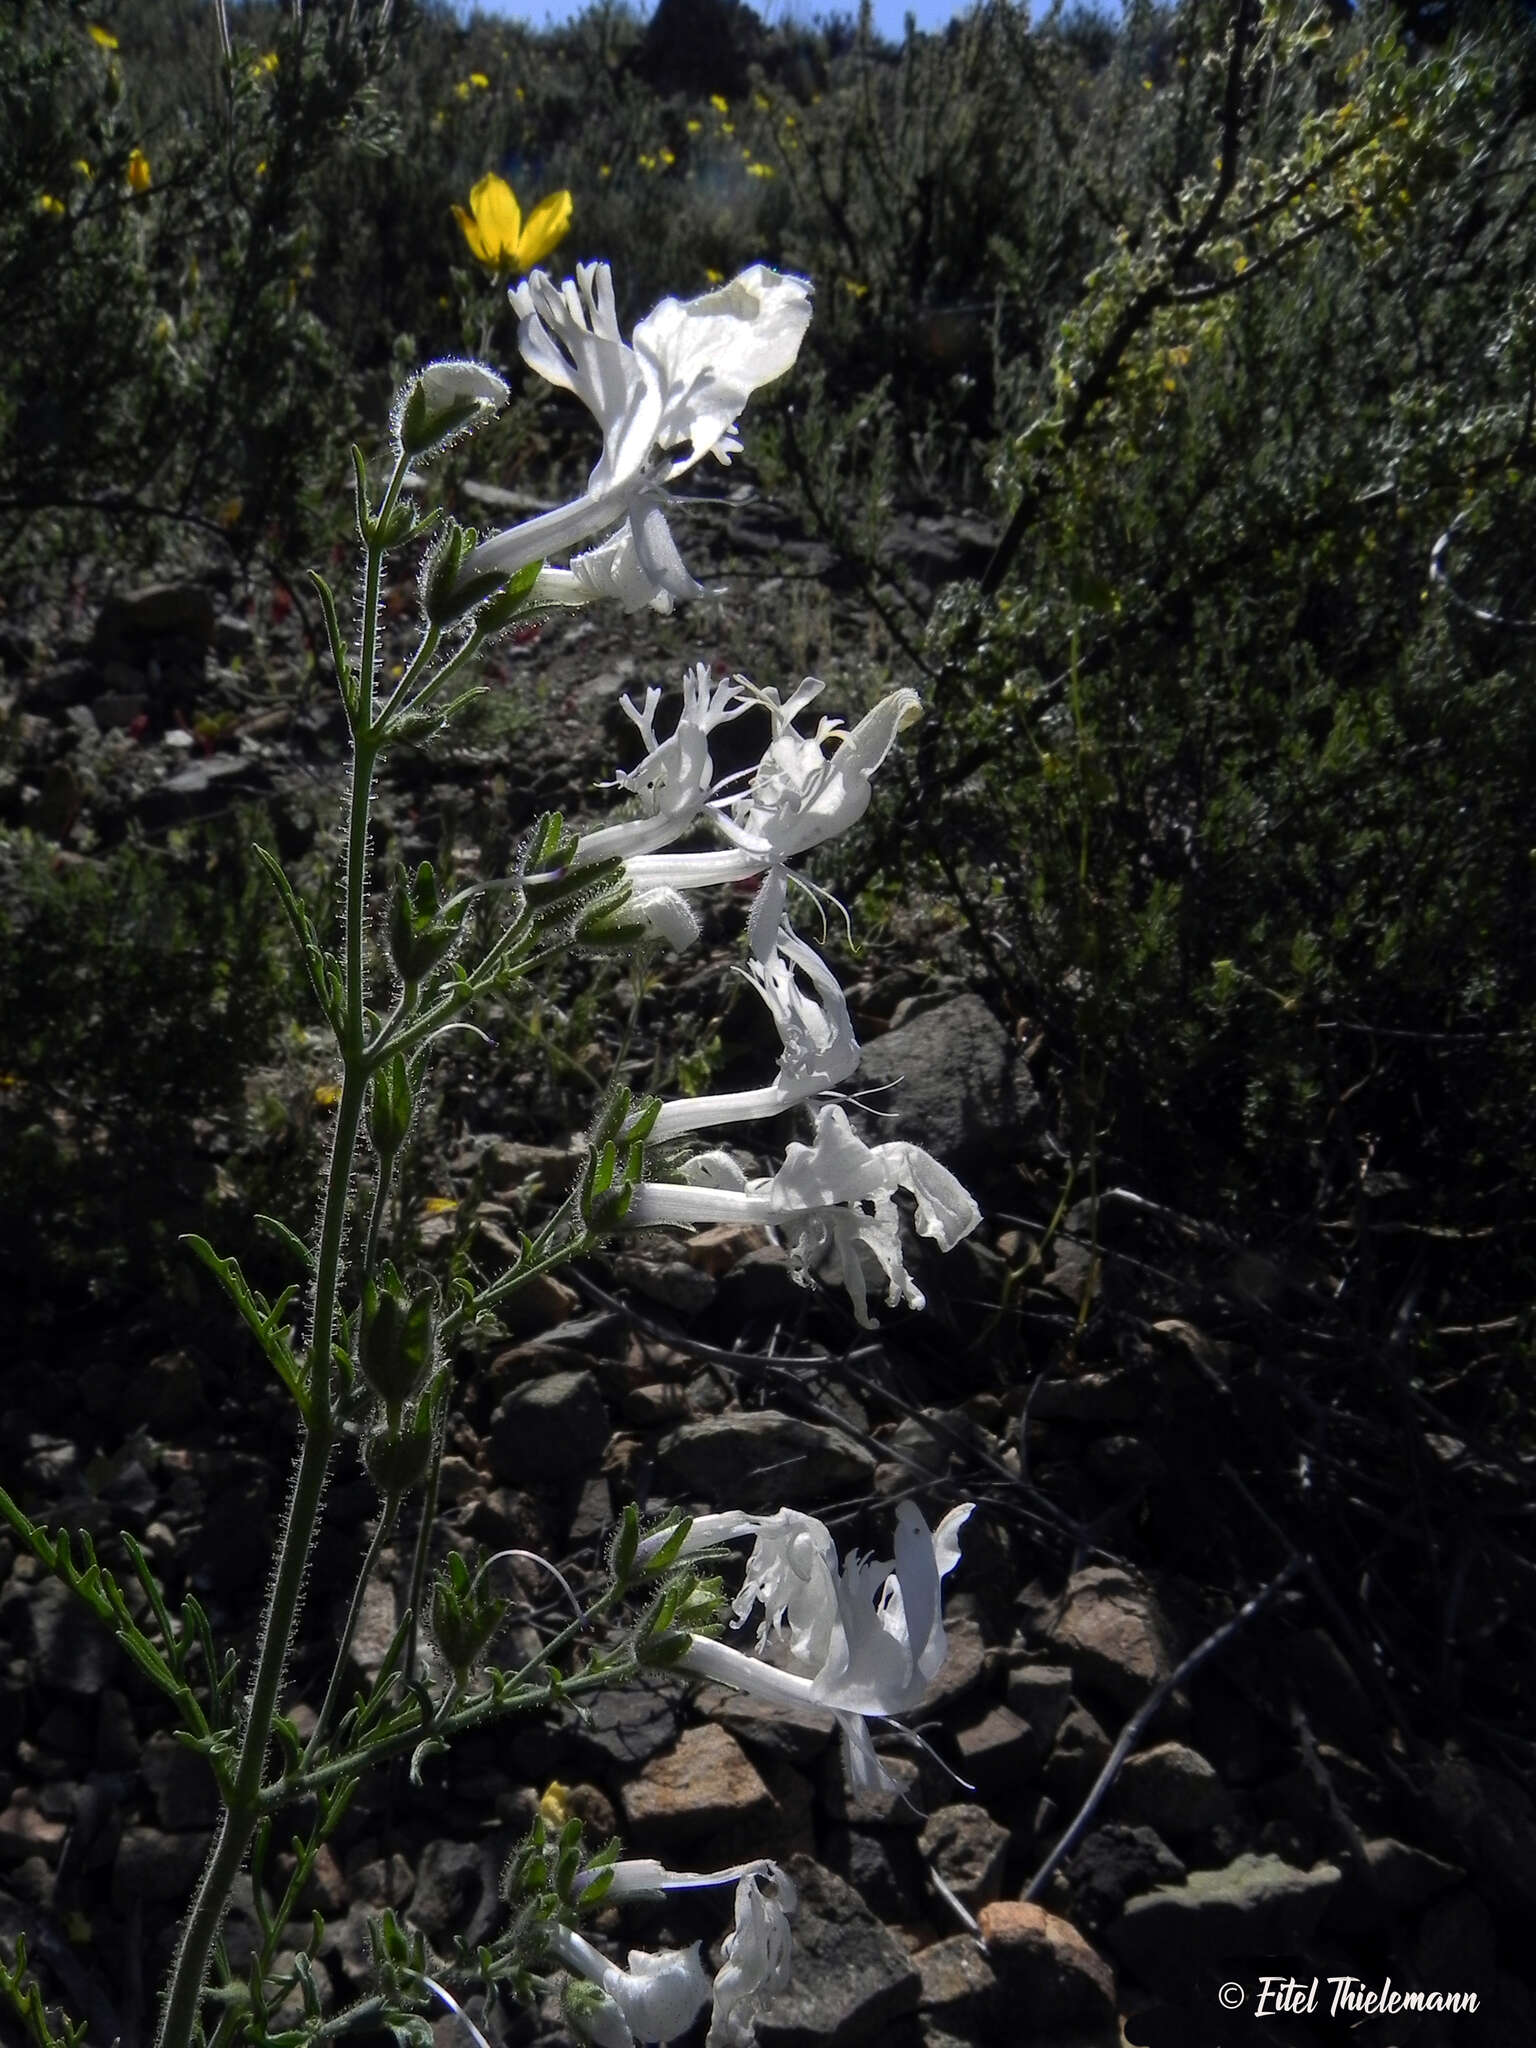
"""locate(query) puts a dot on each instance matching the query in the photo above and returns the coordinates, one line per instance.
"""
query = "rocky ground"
(1158, 1425)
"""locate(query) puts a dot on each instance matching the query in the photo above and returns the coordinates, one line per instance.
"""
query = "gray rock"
(201, 788)
(627, 1727)
(1396, 1880)
(1173, 1789)
(884, 1868)
(959, 1987)
(852, 1977)
(967, 1849)
(181, 1784)
(1488, 1818)
(1090, 1397)
(133, 619)
(1113, 1865)
(763, 1460)
(550, 1428)
(993, 1753)
(875, 1808)
(72, 1652)
(1257, 1905)
(704, 1786)
(1040, 1695)
(155, 1868)
(796, 1734)
(964, 1093)
(1078, 1754)
(1114, 1635)
(456, 1892)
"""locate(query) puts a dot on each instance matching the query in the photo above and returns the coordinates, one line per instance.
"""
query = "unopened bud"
(446, 400)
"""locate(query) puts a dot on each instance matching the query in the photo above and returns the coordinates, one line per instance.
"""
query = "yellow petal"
(103, 38)
(495, 207)
(473, 237)
(546, 226)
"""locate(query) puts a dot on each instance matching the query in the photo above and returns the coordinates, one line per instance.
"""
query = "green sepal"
(391, 1100)
(555, 887)
(417, 720)
(395, 1345)
(420, 937)
(504, 610)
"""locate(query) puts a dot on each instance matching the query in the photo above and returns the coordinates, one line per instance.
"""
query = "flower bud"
(463, 1619)
(445, 401)
(450, 589)
(390, 1102)
(399, 1464)
(395, 1351)
(420, 938)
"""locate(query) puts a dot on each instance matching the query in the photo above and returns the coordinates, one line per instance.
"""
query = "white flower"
(757, 1957)
(864, 1639)
(657, 1998)
(831, 1201)
(661, 1994)
(798, 797)
(662, 404)
(675, 781)
(820, 1050)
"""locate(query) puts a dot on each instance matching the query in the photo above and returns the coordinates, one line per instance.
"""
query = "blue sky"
(890, 15)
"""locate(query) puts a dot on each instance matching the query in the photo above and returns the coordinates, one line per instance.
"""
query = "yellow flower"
(605, 170)
(727, 127)
(853, 288)
(83, 168)
(667, 157)
(553, 1808)
(760, 170)
(46, 203)
(103, 38)
(461, 90)
(261, 168)
(720, 104)
(646, 161)
(228, 515)
(714, 276)
(267, 60)
(327, 1095)
(479, 81)
(695, 127)
(499, 237)
(165, 327)
(138, 171)
(439, 1205)
(761, 102)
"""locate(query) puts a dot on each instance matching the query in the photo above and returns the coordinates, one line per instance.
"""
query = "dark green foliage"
(1243, 791)
(136, 993)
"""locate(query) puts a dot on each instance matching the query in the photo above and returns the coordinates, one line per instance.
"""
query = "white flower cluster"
(861, 1638)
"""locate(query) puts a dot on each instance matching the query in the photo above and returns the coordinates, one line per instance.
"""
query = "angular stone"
(157, 611)
(1090, 1397)
(1046, 1968)
(1079, 1753)
(965, 1660)
(1114, 1635)
(1114, 1864)
(1040, 1695)
(874, 1807)
(703, 1786)
(26, 1831)
(884, 1868)
(851, 1978)
(1395, 1883)
(456, 1892)
(155, 1868)
(1257, 1905)
(181, 1784)
(968, 1850)
(797, 1734)
(763, 1460)
(959, 1988)
(1173, 1789)
(966, 1094)
(549, 1429)
(993, 1753)
(627, 1727)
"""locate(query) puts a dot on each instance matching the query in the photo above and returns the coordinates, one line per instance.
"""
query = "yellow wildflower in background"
(720, 104)
(46, 203)
(103, 38)
(553, 1805)
(81, 165)
(479, 81)
(760, 170)
(499, 237)
(138, 171)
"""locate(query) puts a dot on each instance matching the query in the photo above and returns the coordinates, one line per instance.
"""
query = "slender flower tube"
(820, 1050)
(863, 1639)
(663, 404)
(832, 1201)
